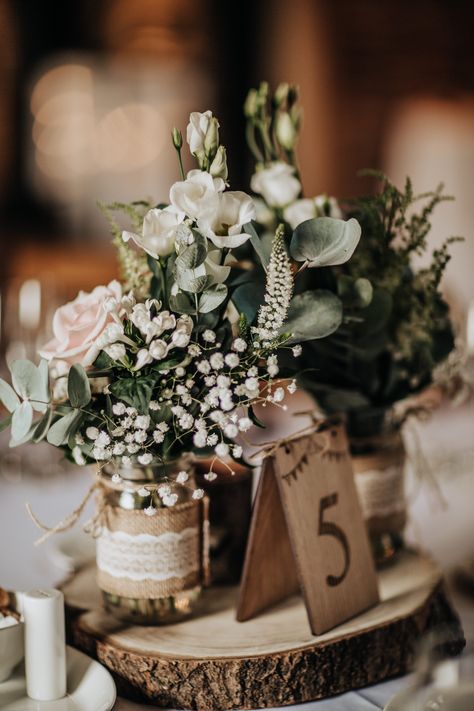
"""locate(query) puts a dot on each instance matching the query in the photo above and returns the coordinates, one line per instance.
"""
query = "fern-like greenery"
(387, 350)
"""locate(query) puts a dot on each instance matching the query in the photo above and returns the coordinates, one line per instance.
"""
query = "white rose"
(197, 129)
(158, 349)
(277, 184)
(198, 195)
(224, 227)
(158, 232)
(299, 211)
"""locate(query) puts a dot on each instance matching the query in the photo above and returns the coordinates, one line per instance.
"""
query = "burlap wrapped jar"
(379, 464)
(152, 542)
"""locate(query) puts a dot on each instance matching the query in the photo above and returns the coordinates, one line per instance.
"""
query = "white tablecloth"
(447, 533)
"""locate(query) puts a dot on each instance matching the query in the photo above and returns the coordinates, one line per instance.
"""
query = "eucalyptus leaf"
(259, 246)
(44, 394)
(212, 298)
(325, 241)
(354, 292)
(313, 314)
(21, 420)
(78, 388)
(59, 432)
(217, 272)
(26, 378)
(181, 303)
(247, 299)
(194, 254)
(8, 396)
(42, 426)
(188, 281)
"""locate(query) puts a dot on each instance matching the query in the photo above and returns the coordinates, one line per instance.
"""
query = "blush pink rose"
(78, 324)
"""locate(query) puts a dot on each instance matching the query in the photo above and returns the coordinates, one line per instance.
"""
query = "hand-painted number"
(327, 528)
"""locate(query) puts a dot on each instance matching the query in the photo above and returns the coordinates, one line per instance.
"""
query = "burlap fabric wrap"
(379, 478)
(150, 557)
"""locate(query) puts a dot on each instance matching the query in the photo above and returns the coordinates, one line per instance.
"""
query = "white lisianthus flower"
(299, 211)
(159, 231)
(328, 206)
(224, 227)
(308, 208)
(198, 195)
(277, 184)
(197, 129)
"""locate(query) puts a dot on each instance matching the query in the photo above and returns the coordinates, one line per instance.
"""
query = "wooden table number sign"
(307, 533)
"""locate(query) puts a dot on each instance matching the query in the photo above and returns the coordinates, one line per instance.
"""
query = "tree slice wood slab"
(212, 662)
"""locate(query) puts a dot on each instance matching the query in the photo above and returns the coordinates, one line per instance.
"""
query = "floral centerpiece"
(143, 372)
(395, 332)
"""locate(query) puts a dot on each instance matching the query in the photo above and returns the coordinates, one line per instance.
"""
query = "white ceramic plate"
(90, 687)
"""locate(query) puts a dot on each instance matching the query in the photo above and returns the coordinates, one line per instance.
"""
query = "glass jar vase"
(152, 547)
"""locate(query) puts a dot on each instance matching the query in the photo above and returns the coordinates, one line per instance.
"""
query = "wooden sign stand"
(307, 533)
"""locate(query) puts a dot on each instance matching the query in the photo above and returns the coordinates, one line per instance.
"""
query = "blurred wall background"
(90, 89)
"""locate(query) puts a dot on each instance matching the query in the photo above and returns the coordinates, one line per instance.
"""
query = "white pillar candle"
(45, 648)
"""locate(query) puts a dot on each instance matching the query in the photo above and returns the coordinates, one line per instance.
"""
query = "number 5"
(326, 528)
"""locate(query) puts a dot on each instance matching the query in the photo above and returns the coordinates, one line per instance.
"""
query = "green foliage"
(133, 265)
(194, 254)
(8, 396)
(212, 298)
(22, 419)
(313, 314)
(259, 246)
(325, 241)
(59, 432)
(387, 350)
(78, 388)
(136, 392)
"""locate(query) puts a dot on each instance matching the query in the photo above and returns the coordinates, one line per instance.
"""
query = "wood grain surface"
(213, 662)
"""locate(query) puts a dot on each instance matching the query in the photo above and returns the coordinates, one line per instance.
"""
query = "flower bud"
(251, 104)
(211, 140)
(293, 95)
(281, 94)
(218, 167)
(285, 131)
(177, 137)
